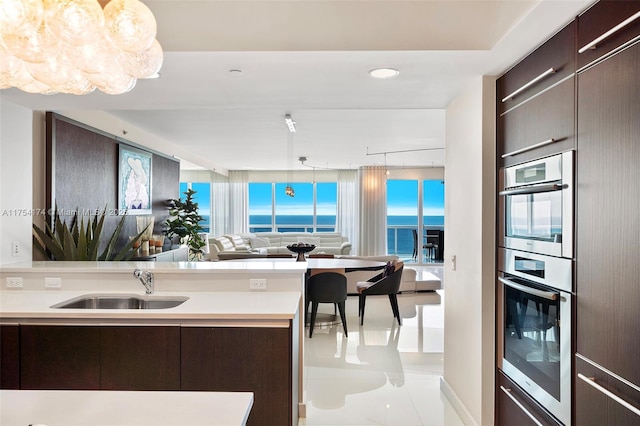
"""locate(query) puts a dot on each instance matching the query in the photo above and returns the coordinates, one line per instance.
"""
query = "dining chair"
(387, 282)
(414, 256)
(326, 287)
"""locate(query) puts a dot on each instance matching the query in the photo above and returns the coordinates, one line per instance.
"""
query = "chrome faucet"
(146, 278)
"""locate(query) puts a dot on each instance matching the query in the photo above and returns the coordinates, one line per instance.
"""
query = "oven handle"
(534, 189)
(519, 404)
(546, 294)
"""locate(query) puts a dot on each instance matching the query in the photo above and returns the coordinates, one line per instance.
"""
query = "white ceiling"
(310, 59)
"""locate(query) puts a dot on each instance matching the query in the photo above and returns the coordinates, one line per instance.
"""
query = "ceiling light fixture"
(384, 72)
(290, 123)
(76, 46)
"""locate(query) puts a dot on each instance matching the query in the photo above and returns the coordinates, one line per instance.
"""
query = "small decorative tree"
(184, 222)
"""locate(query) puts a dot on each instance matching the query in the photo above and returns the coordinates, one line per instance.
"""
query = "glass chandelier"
(76, 46)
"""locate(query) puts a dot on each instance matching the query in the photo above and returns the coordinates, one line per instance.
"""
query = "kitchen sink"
(121, 301)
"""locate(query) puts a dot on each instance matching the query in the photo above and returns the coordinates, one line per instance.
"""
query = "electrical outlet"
(15, 249)
(53, 283)
(257, 284)
(14, 282)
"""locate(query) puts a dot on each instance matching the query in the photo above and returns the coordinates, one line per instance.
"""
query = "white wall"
(470, 223)
(16, 181)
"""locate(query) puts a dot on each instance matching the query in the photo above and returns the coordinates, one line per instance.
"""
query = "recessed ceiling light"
(384, 72)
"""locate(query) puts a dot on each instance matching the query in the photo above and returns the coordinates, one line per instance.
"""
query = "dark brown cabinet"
(608, 228)
(59, 357)
(594, 407)
(159, 357)
(536, 102)
(140, 358)
(95, 357)
(515, 407)
(607, 21)
(257, 360)
(10, 356)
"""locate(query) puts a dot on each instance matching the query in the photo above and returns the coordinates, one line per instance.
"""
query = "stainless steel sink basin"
(121, 301)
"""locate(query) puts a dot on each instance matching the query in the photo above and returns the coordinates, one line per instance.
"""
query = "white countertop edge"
(264, 266)
(204, 306)
(158, 408)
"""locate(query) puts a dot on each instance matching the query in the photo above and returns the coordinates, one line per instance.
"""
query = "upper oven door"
(536, 206)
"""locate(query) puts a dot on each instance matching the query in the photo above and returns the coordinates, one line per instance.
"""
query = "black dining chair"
(326, 287)
(414, 256)
(388, 284)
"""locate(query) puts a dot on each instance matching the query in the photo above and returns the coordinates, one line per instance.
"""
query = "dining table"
(314, 264)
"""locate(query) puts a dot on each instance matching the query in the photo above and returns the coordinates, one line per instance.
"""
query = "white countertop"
(94, 408)
(265, 266)
(204, 306)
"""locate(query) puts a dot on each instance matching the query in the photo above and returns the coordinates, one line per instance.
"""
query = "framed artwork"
(134, 181)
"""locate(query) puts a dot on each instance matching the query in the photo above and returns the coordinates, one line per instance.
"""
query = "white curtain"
(373, 207)
(348, 207)
(238, 201)
(219, 204)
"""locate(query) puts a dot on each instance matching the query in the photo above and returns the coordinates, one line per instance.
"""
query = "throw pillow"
(258, 242)
(310, 240)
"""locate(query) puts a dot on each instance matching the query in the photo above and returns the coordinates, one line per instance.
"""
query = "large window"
(312, 208)
(203, 198)
(415, 210)
(402, 216)
(433, 204)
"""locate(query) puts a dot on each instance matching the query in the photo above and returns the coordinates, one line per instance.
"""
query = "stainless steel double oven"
(535, 278)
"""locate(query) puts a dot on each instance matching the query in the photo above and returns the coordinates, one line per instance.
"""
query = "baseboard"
(456, 403)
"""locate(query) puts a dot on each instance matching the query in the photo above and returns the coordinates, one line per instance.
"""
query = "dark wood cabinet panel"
(10, 356)
(258, 360)
(557, 53)
(109, 358)
(140, 358)
(599, 19)
(512, 413)
(550, 115)
(594, 407)
(608, 202)
(59, 357)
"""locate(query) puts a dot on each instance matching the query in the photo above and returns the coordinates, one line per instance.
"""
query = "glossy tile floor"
(382, 374)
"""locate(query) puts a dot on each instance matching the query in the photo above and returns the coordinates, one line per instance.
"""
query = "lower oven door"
(535, 342)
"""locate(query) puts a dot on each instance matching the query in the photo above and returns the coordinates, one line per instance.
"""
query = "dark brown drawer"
(557, 53)
(515, 407)
(550, 115)
(594, 406)
(601, 18)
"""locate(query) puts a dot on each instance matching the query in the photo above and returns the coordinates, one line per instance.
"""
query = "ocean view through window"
(413, 205)
(312, 209)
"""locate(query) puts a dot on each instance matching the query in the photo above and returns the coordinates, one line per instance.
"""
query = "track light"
(290, 123)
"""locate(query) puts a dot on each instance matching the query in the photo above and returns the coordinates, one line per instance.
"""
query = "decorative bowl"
(301, 250)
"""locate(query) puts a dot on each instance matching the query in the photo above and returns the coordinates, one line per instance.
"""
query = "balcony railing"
(291, 228)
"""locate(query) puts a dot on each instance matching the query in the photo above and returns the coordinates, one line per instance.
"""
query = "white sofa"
(270, 243)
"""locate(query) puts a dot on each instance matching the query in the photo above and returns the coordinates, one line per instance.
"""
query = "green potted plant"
(80, 241)
(184, 222)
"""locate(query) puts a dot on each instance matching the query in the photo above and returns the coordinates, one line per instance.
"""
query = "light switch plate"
(52, 282)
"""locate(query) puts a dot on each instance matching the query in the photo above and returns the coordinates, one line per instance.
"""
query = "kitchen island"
(224, 337)
(124, 408)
